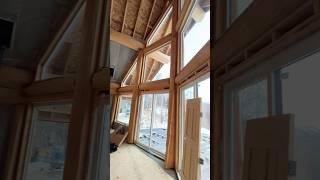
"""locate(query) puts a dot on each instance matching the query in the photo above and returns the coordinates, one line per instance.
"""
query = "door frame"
(181, 116)
(294, 53)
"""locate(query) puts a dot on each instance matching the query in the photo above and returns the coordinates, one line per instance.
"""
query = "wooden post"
(86, 114)
(172, 121)
(135, 100)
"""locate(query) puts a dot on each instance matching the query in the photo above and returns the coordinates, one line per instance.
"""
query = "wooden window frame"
(165, 41)
(131, 68)
(182, 21)
(148, 149)
(159, 23)
(181, 88)
(118, 108)
(264, 70)
(29, 129)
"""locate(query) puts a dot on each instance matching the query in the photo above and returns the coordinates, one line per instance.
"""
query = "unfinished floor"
(132, 163)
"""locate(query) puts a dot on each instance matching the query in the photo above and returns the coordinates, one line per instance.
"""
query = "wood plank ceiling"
(136, 18)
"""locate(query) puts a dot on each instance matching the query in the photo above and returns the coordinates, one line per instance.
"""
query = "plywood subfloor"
(130, 162)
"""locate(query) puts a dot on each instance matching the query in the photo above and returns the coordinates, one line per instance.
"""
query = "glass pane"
(204, 94)
(253, 103)
(197, 31)
(300, 96)
(48, 143)
(145, 119)
(160, 123)
(238, 7)
(157, 64)
(249, 102)
(124, 109)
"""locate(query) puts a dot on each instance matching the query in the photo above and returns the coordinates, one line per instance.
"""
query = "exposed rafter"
(135, 25)
(124, 16)
(148, 23)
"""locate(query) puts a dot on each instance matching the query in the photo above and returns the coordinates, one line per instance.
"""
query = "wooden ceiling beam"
(155, 85)
(124, 16)
(149, 19)
(126, 40)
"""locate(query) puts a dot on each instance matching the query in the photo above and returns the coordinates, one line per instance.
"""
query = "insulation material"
(131, 16)
(117, 14)
(143, 17)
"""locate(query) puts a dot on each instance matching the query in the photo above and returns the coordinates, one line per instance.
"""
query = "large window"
(157, 64)
(249, 101)
(124, 109)
(48, 141)
(196, 32)
(299, 94)
(153, 122)
(199, 88)
(282, 85)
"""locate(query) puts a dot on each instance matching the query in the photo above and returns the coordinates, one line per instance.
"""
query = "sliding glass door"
(153, 122)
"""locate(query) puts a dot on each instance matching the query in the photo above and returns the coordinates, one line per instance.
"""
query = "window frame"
(189, 5)
(183, 87)
(148, 148)
(145, 54)
(33, 119)
(266, 69)
(118, 109)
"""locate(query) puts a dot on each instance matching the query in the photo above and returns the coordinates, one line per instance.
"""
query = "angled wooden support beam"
(187, 7)
(159, 56)
(158, 44)
(126, 40)
(159, 22)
